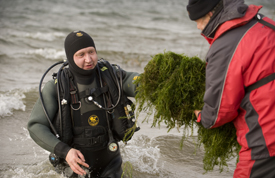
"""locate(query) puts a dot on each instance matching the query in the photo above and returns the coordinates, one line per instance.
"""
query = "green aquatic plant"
(127, 170)
(171, 88)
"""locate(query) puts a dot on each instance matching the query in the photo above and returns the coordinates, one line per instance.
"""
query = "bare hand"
(75, 158)
(197, 113)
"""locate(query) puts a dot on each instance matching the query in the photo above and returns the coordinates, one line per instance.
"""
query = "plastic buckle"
(258, 16)
(73, 92)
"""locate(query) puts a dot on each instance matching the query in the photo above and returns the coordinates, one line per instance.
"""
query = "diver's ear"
(210, 14)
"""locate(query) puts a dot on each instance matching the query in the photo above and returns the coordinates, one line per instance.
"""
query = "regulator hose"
(42, 100)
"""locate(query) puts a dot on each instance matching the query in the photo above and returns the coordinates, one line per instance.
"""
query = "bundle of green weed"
(171, 88)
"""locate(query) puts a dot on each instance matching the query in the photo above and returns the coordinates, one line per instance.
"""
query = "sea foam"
(142, 154)
(11, 101)
(48, 53)
(45, 36)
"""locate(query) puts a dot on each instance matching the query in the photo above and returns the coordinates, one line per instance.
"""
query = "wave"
(48, 53)
(4, 41)
(45, 36)
(10, 101)
(50, 36)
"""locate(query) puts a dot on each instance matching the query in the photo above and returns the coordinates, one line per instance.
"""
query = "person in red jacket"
(240, 85)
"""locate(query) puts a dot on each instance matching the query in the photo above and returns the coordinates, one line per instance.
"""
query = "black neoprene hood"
(75, 41)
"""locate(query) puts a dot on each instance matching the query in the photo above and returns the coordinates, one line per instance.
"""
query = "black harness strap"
(73, 91)
(260, 83)
(74, 96)
(259, 18)
(107, 95)
(269, 78)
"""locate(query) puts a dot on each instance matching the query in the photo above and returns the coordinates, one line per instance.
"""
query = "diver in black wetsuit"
(84, 103)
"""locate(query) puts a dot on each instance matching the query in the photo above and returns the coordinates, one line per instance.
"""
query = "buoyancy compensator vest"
(122, 124)
(90, 123)
(123, 118)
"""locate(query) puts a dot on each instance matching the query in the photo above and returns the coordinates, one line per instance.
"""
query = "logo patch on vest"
(135, 77)
(104, 68)
(93, 120)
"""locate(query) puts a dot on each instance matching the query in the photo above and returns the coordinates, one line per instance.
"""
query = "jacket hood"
(231, 9)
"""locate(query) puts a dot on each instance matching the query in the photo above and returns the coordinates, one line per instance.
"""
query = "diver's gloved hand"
(75, 158)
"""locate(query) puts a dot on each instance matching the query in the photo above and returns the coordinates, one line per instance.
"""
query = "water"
(126, 32)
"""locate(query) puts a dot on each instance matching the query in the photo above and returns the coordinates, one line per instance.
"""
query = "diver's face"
(86, 58)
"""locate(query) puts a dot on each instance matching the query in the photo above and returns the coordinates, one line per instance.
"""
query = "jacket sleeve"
(224, 85)
(39, 127)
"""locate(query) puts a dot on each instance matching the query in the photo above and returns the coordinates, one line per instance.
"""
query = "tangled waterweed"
(171, 87)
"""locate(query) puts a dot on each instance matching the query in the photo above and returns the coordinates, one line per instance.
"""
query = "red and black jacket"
(242, 51)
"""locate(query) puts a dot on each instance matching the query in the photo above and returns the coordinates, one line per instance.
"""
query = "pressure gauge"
(113, 147)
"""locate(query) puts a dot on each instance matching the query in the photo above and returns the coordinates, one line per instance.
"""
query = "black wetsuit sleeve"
(129, 86)
(39, 127)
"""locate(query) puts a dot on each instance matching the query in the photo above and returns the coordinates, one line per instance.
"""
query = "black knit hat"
(75, 41)
(199, 8)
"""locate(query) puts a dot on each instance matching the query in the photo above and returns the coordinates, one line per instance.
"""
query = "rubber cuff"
(61, 149)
